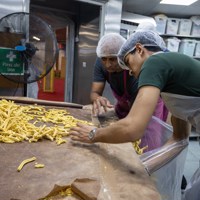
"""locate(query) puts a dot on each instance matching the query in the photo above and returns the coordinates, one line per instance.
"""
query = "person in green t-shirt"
(170, 75)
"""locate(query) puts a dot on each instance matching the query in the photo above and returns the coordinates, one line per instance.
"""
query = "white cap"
(145, 26)
(109, 45)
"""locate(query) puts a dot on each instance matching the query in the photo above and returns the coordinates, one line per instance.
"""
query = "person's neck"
(154, 53)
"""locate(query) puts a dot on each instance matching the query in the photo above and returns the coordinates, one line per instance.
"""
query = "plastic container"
(172, 44)
(161, 21)
(185, 27)
(197, 49)
(172, 26)
(195, 31)
(187, 47)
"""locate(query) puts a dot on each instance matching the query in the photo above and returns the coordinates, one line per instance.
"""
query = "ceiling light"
(36, 38)
(178, 2)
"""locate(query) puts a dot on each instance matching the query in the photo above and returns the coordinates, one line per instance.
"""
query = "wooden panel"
(48, 82)
(5, 83)
(63, 67)
(10, 39)
(115, 166)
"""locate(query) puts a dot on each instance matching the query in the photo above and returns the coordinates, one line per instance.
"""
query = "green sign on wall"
(11, 62)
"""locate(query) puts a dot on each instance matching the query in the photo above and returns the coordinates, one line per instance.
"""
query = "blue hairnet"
(147, 38)
(109, 45)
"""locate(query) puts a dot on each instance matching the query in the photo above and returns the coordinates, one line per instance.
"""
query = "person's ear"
(139, 48)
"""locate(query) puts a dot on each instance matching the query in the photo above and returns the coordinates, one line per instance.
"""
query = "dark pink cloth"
(152, 137)
(153, 133)
(123, 102)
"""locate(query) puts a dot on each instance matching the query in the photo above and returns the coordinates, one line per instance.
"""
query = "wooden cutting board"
(116, 167)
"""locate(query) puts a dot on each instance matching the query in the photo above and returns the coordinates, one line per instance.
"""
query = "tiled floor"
(192, 159)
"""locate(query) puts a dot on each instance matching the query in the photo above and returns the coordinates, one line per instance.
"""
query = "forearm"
(120, 132)
(94, 95)
(96, 90)
(132, 127)
(129, 129)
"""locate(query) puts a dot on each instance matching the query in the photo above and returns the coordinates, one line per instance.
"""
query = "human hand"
(81, 132)
(100, 106)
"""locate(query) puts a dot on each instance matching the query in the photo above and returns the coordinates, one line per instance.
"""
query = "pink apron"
(123, 102)
(152, 136)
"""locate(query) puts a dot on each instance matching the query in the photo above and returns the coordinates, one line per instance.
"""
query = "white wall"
(7, 6)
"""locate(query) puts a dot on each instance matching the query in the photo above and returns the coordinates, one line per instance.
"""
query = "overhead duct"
(99, 2)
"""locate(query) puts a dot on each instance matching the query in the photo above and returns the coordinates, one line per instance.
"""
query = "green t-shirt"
(172, 72)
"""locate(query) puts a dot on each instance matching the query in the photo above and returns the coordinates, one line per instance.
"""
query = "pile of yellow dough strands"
(33, 122)
(136, 146)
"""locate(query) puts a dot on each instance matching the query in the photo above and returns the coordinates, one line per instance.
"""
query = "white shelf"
(180, 36)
